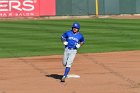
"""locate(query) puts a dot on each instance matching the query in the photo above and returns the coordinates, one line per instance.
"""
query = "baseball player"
(72, 39)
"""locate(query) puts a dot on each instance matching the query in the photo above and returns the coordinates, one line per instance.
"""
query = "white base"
(73, 76)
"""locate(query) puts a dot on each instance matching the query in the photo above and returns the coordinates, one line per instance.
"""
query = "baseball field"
(42, 37)
(31, 53)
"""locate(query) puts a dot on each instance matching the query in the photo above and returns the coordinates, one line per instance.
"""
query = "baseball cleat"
(63, 79)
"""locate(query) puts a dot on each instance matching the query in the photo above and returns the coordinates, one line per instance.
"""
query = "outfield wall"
(75, 7)
(106, 7)
(19, 8)
(109, 7)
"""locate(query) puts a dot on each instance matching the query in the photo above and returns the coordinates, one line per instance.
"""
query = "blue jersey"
(72, 38)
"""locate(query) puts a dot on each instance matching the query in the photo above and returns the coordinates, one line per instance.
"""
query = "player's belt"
(71, 48)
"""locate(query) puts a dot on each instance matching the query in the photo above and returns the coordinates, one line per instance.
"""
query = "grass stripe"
(42, 37)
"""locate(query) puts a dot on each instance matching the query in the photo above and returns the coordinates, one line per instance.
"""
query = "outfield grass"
(42, 37)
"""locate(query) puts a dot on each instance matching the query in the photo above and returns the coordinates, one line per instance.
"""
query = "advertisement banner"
(26, 8)
(48, 7)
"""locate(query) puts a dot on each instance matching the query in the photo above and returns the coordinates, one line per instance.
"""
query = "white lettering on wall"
(16, 5)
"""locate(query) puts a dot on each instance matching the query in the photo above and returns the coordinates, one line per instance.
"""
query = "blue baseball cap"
(76, 25)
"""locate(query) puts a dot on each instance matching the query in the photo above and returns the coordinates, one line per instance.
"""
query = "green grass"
(42, 37)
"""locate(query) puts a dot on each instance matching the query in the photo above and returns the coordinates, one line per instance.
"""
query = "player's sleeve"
(82, 39)
(64, 36)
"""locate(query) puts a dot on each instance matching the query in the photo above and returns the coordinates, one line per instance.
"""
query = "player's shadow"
(55, 76)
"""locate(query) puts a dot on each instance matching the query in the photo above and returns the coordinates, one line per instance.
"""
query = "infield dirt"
(113, 72)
